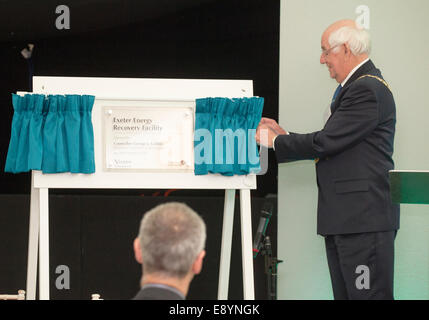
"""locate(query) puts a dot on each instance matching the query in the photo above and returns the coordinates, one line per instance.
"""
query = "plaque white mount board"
(148, 136)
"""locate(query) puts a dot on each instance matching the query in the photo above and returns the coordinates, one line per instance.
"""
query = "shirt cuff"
(274, 140)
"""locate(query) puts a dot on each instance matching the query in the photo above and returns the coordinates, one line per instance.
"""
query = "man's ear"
(347, 51)
(198, 263)
(137, 251)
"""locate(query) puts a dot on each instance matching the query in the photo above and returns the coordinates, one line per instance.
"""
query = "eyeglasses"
(327, 51)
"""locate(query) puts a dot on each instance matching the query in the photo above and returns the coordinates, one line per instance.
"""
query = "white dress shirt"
(353, 71)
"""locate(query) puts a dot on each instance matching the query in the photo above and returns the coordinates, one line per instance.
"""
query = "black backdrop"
(234, 39)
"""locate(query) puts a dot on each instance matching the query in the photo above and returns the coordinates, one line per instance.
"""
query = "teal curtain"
(51, 133)
(224, 140)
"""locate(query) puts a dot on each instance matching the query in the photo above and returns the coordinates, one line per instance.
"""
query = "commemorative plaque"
(149, 138)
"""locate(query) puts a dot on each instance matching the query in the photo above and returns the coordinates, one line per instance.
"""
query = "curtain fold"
(225, 135)
(51, 133)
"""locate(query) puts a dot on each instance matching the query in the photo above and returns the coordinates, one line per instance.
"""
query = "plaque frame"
(110, 106)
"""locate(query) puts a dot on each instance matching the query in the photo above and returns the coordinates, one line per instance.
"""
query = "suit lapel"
(364, 69)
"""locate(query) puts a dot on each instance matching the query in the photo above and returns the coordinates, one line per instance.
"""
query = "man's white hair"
(171, 236)
(357, 38)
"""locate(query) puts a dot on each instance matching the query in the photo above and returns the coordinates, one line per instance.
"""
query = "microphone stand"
(270, 268)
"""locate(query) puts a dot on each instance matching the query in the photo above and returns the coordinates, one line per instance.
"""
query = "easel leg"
(44, 245)
(225, 253)
(33, 242)
(246, 245)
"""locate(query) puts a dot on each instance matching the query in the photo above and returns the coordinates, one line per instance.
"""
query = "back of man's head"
(171, 238)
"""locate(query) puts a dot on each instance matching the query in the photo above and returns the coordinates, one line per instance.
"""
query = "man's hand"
(273, 125)
(267, 130)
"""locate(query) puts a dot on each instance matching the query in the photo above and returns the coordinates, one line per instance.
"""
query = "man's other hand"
(267, 130)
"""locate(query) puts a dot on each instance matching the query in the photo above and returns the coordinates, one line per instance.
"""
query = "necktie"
(337, 91)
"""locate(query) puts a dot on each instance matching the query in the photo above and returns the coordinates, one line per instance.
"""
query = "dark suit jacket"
(355, 154)
(157, 293)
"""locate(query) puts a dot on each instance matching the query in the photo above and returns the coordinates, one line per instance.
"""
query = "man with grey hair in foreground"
(353, 155)
(170, 247)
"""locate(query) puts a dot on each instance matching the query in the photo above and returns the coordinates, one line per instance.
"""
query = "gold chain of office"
(375, 77)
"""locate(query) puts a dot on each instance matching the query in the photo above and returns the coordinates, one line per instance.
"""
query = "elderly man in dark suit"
(353, 155)
(170, 246)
